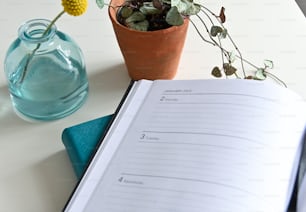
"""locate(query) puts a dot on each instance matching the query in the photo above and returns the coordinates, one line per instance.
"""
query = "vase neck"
(35, 31)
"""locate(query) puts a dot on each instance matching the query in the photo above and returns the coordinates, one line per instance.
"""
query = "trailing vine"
(150, 15)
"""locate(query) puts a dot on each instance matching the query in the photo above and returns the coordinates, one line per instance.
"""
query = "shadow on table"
(107, 81)
(6, 109)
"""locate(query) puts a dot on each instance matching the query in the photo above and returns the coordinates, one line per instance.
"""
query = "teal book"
(81, 141)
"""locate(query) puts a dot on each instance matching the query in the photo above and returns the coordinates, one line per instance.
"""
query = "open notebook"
(197, 145)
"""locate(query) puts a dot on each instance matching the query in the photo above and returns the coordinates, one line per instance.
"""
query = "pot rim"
(112, 11)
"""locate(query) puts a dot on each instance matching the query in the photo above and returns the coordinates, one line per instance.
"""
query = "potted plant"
(151, 49)
(143, 29)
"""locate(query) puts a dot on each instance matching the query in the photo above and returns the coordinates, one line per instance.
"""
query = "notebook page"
(91, 177)
(213, 145)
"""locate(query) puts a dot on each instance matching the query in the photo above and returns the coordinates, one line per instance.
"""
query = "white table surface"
(35, 172)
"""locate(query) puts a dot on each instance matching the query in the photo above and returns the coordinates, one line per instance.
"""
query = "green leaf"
(149, 9)
(173, 17)
(216, 72)
(135, 17)
(100, 3)
(223, 34)
(215, 30)
(268, 64)
(166, 2)
(126, 12)
(192, 10)
(232, 57)
(186, 7)
(139, 26)
(260, 74)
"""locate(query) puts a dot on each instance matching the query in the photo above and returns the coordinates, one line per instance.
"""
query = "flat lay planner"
(197, 145)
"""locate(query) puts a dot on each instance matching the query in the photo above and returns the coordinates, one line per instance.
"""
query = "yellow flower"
(74, 7)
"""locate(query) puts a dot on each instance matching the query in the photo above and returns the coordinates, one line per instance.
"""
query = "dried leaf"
(249, 77)
(229, 69)
(157, 4)
(216, 72)
(222, 15)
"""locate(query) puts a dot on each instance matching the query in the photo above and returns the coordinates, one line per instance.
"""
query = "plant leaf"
(100, 3)
(260, 74)
(157, 4)
(166, 2)
(215, 30)
(223, 34)
(216, 72)
(186, 7)
(173, 17)
(149, 9)
(229, 69)
(222, 15)
(125, 11)
(139, 26)
(268, 64)
(232, 57)
(135, 17)
(250, 77)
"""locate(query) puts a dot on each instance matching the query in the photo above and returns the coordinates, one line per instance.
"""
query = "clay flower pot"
(149, 55)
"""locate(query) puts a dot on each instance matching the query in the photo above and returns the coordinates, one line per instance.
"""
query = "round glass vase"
(46, 72)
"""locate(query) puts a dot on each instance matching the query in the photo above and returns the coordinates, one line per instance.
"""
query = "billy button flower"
(72, 7)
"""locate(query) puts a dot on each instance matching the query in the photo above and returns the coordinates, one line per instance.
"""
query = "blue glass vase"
(46, 73)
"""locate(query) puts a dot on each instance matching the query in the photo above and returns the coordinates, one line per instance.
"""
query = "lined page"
(127, 110)
(212, 145)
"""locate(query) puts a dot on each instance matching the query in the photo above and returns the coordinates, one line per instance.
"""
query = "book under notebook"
(81, 141)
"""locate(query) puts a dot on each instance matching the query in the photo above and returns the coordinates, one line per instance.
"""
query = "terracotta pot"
(149, 55)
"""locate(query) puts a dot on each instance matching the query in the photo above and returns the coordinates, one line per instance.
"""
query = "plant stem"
(199, 33)
(228, 35)
(276, 78)
(38, 45)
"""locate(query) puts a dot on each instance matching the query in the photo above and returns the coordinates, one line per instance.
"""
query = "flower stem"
(38, 45)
